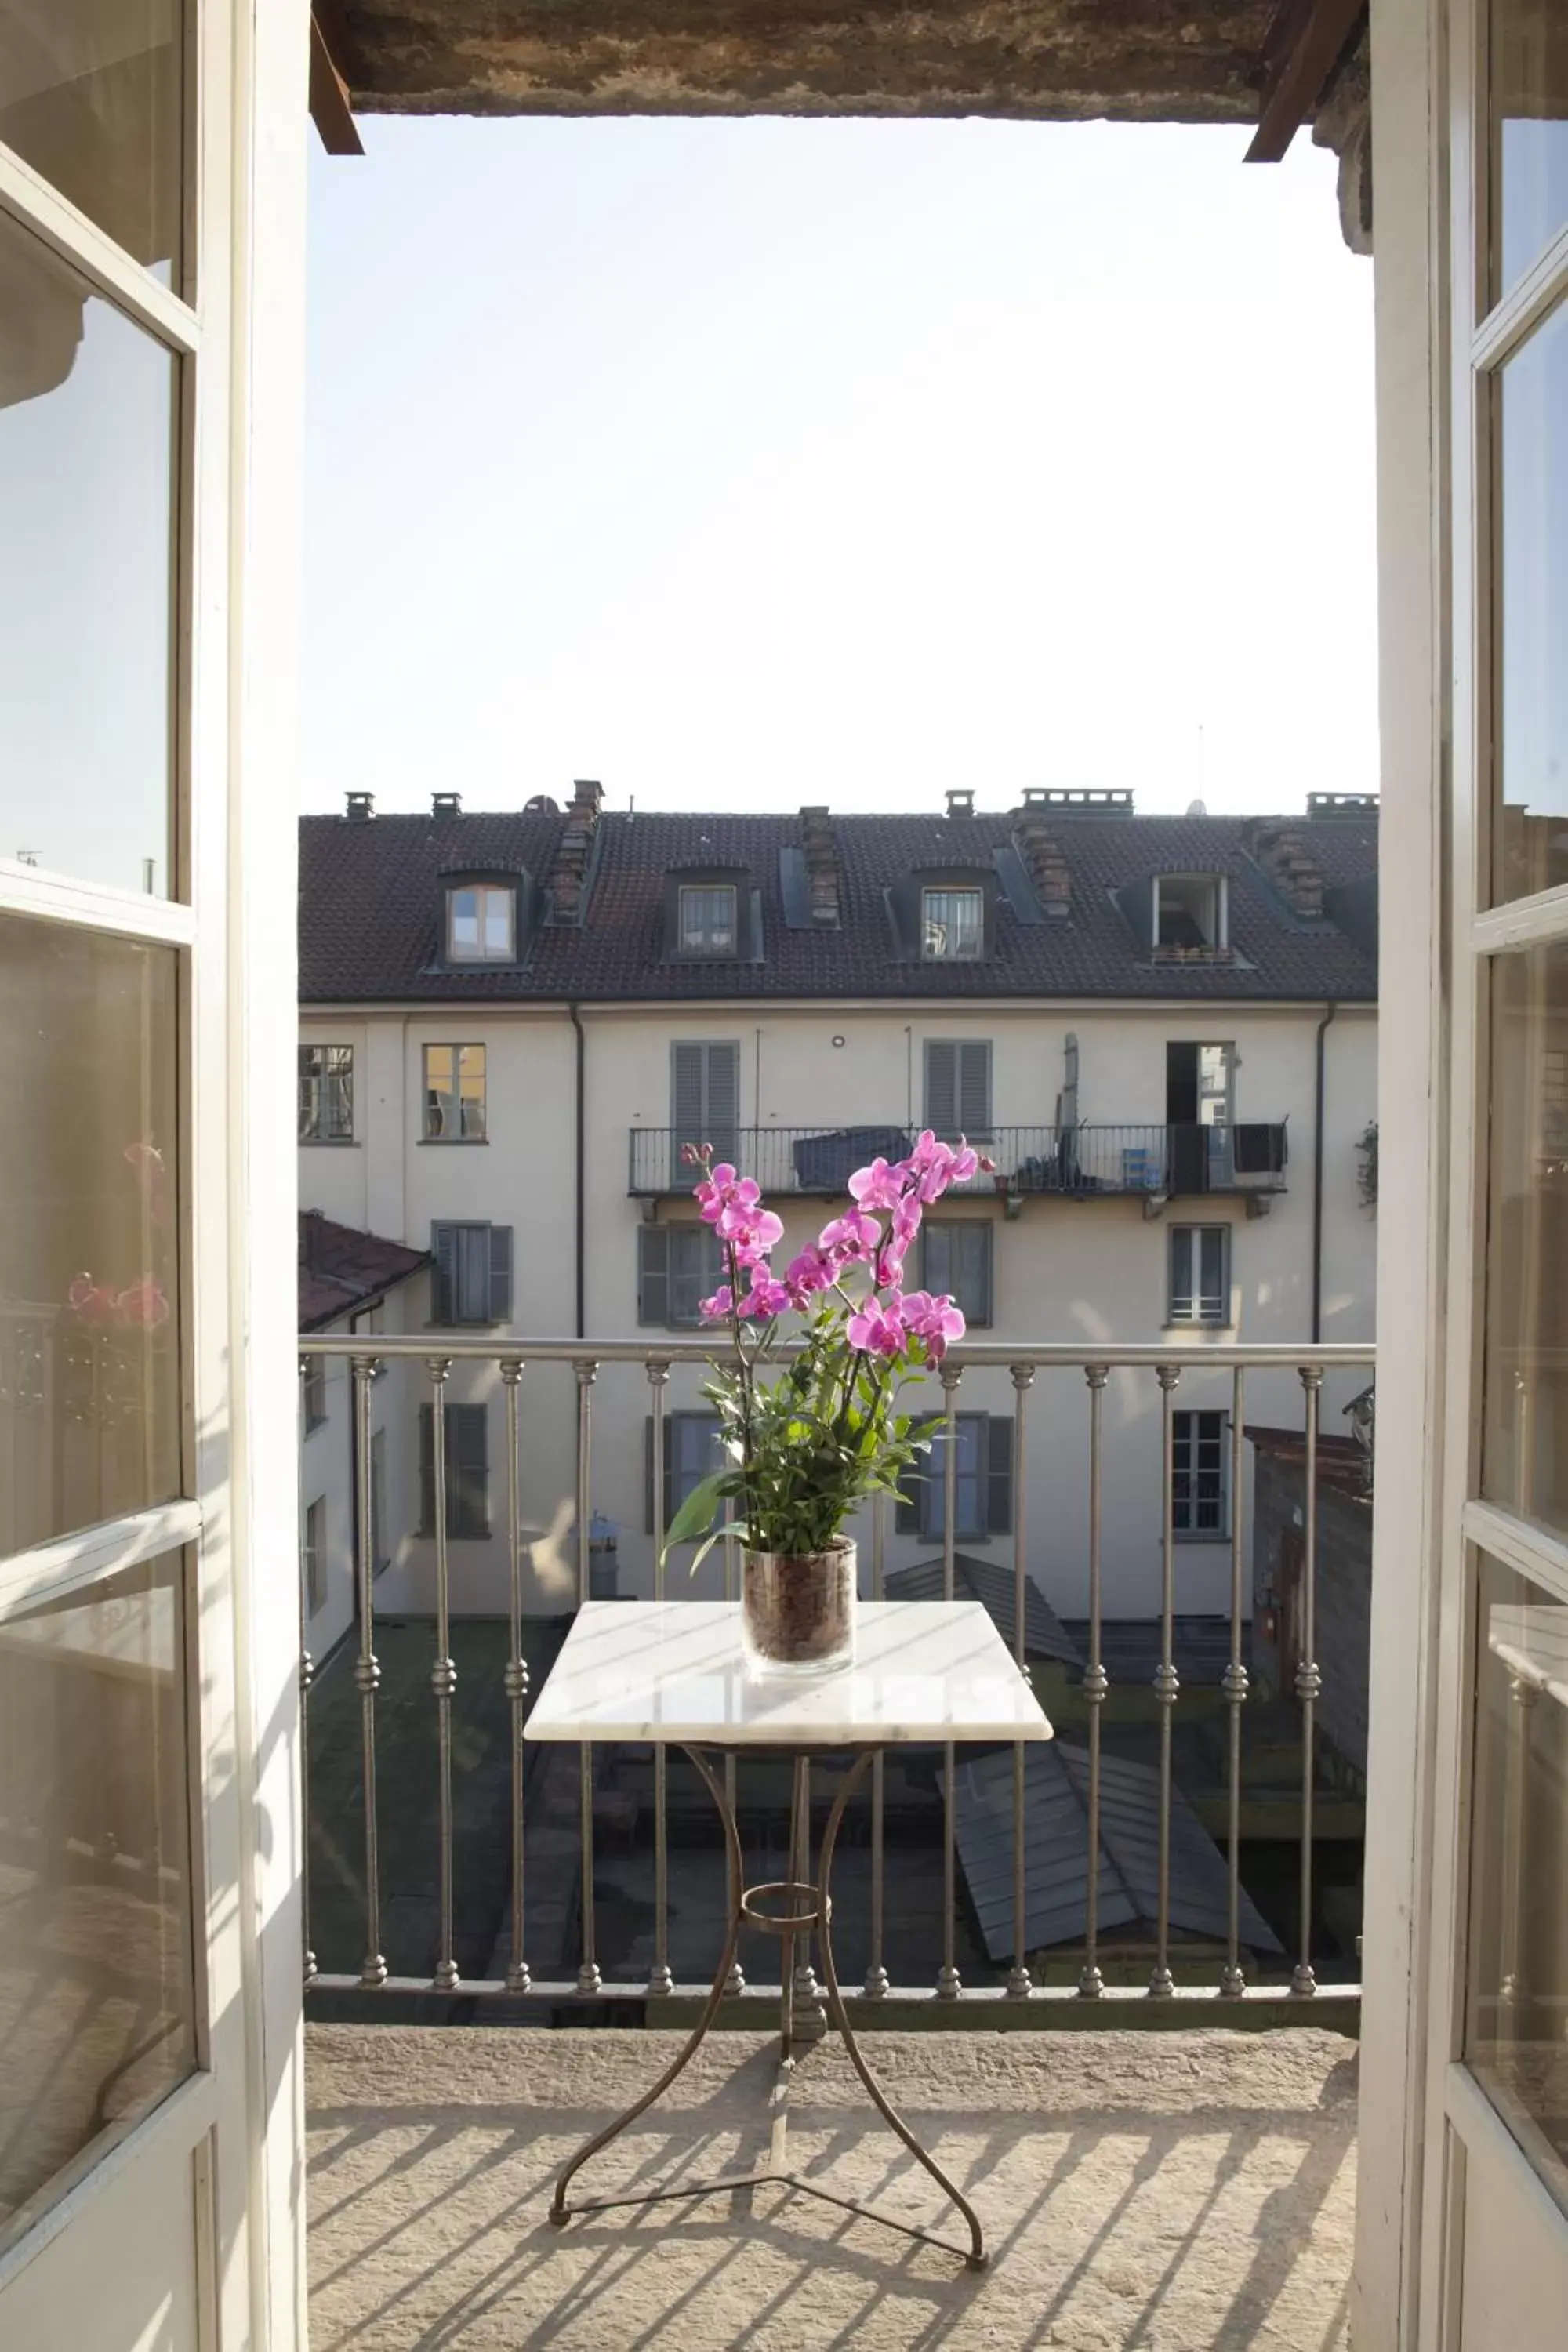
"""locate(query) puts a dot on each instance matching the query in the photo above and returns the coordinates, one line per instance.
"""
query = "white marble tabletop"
(924, 1672)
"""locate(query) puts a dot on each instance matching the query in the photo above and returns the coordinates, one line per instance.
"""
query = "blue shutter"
(444, 1276)
(500, 1274)
(941, 1087)
(468, 1470)
(974, 1086)
(653, 1275)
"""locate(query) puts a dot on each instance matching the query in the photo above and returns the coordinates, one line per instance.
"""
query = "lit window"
(1200, 1274)
(708, 919)
(952, 925)
(1200, 1485)
(326, 1094)
(1189, 910)
(482, 923)
(454, 1094)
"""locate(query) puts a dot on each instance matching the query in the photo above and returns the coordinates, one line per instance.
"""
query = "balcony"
(1151, 1163)
(1185, 1856)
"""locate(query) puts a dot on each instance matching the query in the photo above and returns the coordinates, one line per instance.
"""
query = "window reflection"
(1525, 1460)
(1530, 132)
(90, 97)
(87, 443)
(96, 1999)
(1532, 618)
(1519, 1881)
(89, 1246)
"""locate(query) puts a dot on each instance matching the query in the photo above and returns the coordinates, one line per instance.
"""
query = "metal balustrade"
(521, 1363)
(1077, 1163)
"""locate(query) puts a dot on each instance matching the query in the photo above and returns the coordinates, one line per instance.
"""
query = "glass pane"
(96, 1982)
(1530, 132)
(90, 97)
(1532, 614)
(1525, 1457)
(87, 491)
(89, 1375)
(1517, 1991)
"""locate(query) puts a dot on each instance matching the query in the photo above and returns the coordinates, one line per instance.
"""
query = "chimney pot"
(361, 806)
(961, 803)
(445, 804)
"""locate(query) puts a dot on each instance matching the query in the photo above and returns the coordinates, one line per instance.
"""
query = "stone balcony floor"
(1168, 2191)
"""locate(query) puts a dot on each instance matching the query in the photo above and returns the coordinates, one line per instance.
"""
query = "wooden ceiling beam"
(332, 107)
(1303, 44)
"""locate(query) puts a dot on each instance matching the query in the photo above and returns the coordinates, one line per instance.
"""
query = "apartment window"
(678, 1267)
(1200, 1482)
(982, 1484)
(1190, 910)
(468, 1471)
(472, 1280)
(952, 925)
(482, 923)
(1200, 1274)
(313, 1558)
(692, 1452)
(704, 1096)
(326, 1094)
(955, 1258)
(958, 1087)
(314, 1385)
(707, 918)
(454, 1094)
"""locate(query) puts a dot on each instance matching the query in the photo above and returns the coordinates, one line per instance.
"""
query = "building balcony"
(1151, 1163)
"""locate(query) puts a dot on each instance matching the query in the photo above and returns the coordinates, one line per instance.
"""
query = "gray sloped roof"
(1056, 1852)
(991, 1584)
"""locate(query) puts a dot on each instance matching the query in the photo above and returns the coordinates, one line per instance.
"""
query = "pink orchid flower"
(751, 1233)
(812, 1271)
(766, 1297)
(854, 1236)
(722, 1192)
(719, 1308)
(879, 1186)
(937, 1321)
(878, 1329)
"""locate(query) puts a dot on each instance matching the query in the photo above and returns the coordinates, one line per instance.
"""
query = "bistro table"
(925, 1674)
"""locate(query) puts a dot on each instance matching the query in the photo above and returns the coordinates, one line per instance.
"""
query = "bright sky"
(742, 464)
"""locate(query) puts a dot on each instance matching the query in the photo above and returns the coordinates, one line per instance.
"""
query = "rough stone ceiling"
(1061, 60)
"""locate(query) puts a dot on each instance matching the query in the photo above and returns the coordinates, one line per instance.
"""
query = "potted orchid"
(805, 1447)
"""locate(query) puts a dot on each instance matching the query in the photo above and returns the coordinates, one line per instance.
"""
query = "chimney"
(574, 851)
(1289, 864)
(361, 807)
(1044, 861)
(821, 864)
(311, 1221)
(960, 803)
(445, 804)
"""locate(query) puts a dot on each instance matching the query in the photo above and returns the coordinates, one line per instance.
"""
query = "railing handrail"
(981, 1355)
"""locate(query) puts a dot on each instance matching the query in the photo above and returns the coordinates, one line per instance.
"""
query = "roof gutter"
(1321, 1089)
(575, 1013)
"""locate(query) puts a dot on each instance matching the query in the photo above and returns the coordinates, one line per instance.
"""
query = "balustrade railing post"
(1309, 1681)
(443, 1672)
(588, 1977)
(1019, 1983)
(1090, 1982)
(659, 1980)
(367, 1671)
(1167, 1684)
(948, 1983)
(1234, 1683)
(876, 1972)
(307, 1676)
(518, 1979)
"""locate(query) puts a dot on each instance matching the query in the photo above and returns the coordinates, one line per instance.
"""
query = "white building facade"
(1177, 1120)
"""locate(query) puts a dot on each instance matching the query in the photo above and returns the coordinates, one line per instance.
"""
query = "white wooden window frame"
(934, 928)
(696, 930)
(485, 895)
(456, 1048)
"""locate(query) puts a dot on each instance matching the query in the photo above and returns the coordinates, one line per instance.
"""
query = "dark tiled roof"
(990, 1583)
(371, 904)
(342, 1268)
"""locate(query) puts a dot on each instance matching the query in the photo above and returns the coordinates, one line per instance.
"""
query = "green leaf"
(694, 1516)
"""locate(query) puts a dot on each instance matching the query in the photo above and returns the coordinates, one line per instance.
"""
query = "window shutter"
(653, 1276)
(936, 1260)
(426, 1473)
(444, 1278)
(468, 1470)
(998, 1474)
(974, 1288)
(688, 1096)
(941, 1087)
(500, 1274)
(723, 1104)
(974, 1085)
(648, 1527)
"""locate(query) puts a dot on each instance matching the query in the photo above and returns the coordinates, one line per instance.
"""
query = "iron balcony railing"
(524, 1372)
(1077, 1163)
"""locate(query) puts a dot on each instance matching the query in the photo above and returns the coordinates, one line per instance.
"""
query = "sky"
(745, 463)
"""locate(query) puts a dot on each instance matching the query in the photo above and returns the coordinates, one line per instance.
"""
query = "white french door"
(140, 1718)
(1495, 2235)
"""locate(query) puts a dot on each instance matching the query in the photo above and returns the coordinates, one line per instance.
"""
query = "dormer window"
(482, 923)
(952, 925)
(706, 918)
(1190, 911)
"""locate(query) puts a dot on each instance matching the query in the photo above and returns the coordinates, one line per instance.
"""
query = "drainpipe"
(1329, 1013)
(576, 1016)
